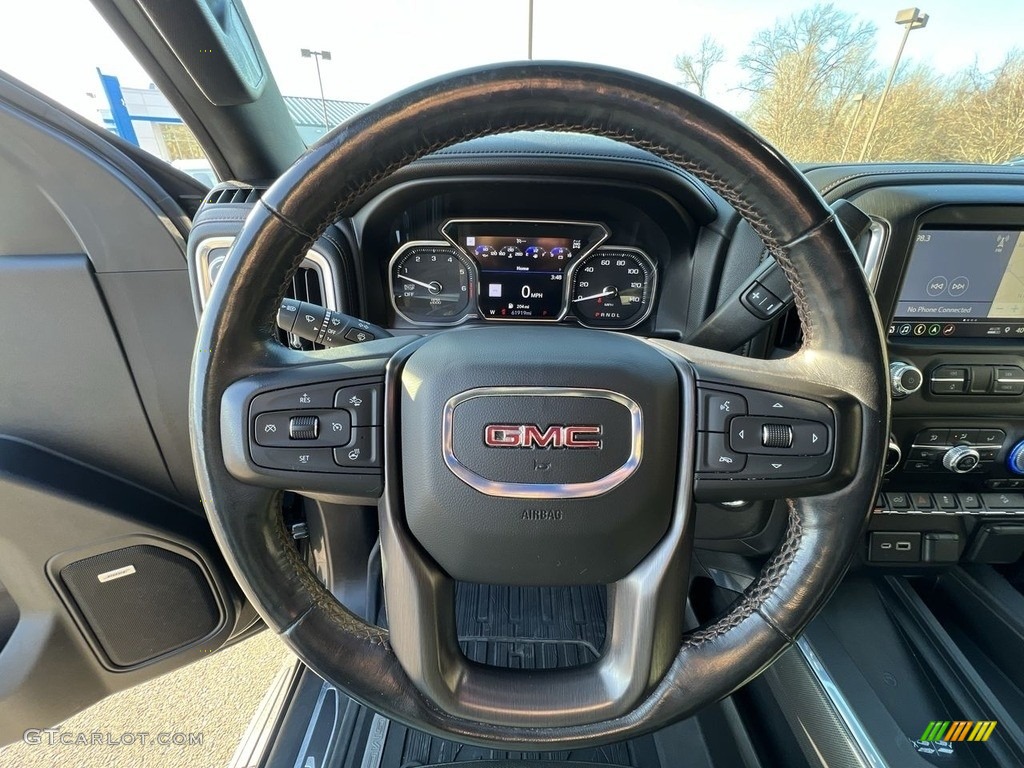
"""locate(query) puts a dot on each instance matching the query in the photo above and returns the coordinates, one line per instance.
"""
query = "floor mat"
(511, 627)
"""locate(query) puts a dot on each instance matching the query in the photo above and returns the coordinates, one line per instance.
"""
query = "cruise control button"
(303, 427)
(272, 428)
(716, 455)
(294, 459)
(363, 402)
(718, 407)
(363, 451)
(312, 396)
(786, 466)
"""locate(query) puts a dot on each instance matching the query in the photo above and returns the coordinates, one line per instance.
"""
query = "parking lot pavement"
(215, 697)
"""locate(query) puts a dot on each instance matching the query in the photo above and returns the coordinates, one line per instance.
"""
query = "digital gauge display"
(523, 265)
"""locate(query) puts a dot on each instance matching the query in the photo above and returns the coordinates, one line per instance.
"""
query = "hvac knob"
(1015, 460)
(905, 378)
(961, 459)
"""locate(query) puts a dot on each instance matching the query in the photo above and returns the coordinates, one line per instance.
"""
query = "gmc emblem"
(532, 436)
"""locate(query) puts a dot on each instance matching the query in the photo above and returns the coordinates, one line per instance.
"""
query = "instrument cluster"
(508, 270)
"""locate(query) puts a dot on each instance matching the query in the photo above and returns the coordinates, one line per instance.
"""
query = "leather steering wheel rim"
(843, 350)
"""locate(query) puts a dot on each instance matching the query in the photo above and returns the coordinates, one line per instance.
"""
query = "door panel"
(96, 332)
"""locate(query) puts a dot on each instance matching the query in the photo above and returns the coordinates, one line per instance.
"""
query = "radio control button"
(949, 380)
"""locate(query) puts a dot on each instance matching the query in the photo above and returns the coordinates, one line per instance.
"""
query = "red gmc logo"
(532, 436)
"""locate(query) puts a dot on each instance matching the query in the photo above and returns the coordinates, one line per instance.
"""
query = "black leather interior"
(843, 348)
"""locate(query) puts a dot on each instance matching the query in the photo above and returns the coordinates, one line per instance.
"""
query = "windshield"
(813, 78)
(857, 80)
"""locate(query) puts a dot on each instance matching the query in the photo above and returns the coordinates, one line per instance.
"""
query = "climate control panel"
(956, 450)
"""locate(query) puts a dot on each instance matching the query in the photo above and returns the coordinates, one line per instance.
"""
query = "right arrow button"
(810, 438)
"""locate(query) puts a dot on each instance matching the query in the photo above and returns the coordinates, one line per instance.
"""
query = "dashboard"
(564, 230)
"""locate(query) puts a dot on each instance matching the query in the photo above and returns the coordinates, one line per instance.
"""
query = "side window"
(95, 76)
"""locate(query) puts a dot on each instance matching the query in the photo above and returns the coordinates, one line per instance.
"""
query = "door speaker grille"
(142, 602)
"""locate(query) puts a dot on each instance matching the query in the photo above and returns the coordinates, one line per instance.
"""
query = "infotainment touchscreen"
(963, 283)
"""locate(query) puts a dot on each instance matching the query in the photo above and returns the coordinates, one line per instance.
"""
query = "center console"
(952, 285)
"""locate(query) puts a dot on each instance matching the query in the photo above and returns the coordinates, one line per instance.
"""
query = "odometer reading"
(613, 288)
(432, 284)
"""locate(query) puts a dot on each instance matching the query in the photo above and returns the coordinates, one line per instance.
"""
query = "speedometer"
(613, 288)
(432, 284)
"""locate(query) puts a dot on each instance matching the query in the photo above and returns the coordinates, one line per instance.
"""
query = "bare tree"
(803, 72)
(696, 67)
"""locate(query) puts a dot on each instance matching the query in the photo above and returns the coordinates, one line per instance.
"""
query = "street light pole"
(529, 35)
(910, 19)
(316, 56)
(859, 98)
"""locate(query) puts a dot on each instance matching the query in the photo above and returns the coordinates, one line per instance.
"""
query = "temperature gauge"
(613, 288)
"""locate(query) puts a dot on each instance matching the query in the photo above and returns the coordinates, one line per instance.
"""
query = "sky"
(381, 46)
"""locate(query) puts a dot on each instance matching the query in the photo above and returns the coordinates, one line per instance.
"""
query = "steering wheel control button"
(717, 457)
(321, 428)
(363, 402)
(788, 467)
(303, 427)
(718, 407)
(311, 396)
(761, 302)
(784, 437)
(295, 459)
(894, 547)
(777, 436)
(364, 450)
(271, 429)
(785, 406)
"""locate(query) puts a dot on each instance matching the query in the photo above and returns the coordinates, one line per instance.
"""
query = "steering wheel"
(539, 455)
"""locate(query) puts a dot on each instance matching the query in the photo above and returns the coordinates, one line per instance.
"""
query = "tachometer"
(613, 288)
(432, 284)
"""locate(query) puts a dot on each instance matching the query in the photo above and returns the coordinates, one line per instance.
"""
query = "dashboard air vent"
(231, 194)
(306, 285)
